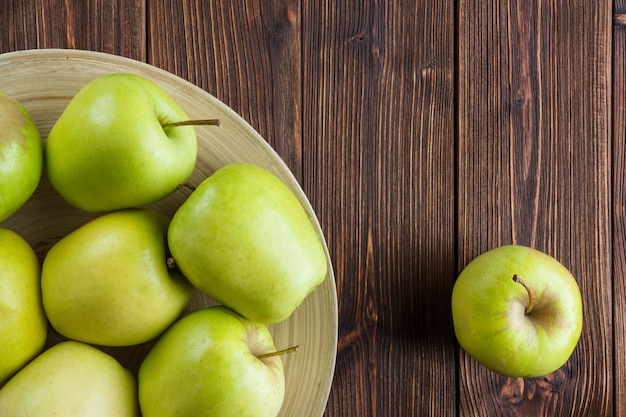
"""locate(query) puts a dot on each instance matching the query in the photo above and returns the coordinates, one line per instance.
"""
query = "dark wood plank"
(619, 202)
(247, 54)
(534, 169)
(112, 26)
(379, 163)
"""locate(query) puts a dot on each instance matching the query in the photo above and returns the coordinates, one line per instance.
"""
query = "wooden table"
(424, 133)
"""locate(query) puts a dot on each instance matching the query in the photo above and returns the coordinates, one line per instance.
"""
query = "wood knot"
(620, 19)
(371, 311)
(375, 51)
(427, 70)
(358, 37)
(519, 99)
(513, 391)
(556, 381)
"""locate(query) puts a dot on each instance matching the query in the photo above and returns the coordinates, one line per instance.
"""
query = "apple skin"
(23, 324)
(108, 283)
(489, 312)
(243, 238)
(206, 365)
(109, 151)
(21, 156)
(71, 379)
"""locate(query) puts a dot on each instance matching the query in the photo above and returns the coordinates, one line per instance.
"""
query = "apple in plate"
(23, 324)
(212, 363)
(108, 282)
(243, 238)
(115, 145)
(21, 156)
(517, 311)
(71, 379)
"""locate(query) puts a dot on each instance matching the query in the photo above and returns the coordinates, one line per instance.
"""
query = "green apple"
(212, 362)
(243, 238)
(108, 282)
(23, 324)
(71, 379)
(21, 156)
(517, 311)
(112, 148)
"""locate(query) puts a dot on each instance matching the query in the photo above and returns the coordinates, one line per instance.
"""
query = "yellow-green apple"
(108, 282)
(23, 324)
(517, 311)
(21, 156)
(113, 147)
(212, 362)
(243, 238)
(71, 379)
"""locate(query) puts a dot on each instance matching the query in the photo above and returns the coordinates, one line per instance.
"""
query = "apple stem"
(278, 352)
(171, 262)
(200, 122)
(531, 294)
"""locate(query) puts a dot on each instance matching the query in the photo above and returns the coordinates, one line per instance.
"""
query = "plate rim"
(61, 54)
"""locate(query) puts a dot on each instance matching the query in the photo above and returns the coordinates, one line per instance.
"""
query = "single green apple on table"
(212, 363)
(108, 282)
(21, 156)
(71, 379)
(517, 311)
(116, 145)
(243, 238)
(23, 324)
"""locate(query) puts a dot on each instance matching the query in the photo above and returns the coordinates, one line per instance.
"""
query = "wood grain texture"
(619, 202)
(534, 169)
(424, 133)
(111, 26)
(379, 156)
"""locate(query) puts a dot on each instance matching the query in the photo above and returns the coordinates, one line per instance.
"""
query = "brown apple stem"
(171, 262)
(278, 352)
(199, 122)
(531, 294)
